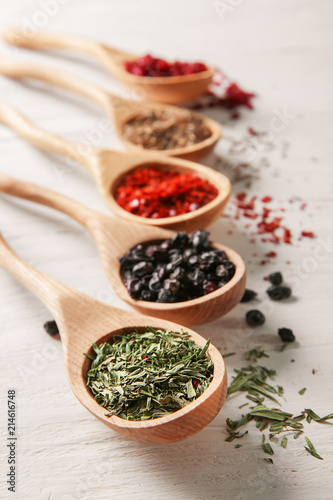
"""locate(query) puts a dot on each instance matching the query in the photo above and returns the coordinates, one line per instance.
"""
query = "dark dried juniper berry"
(51, 328)
(286, 334)
(275, 278)
(255, 318)
(182, 268)
(279, 292)
(248, 295)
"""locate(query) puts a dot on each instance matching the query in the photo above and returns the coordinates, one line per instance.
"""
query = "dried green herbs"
(311, 449)
(141, 376)
(252, 379)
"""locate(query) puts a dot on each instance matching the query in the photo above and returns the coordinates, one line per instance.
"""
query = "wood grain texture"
(65, 453)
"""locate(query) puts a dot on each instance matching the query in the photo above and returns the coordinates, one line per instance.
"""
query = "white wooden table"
(280, 50)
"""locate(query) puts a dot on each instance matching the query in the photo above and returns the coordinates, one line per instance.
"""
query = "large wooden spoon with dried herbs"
(84, 321)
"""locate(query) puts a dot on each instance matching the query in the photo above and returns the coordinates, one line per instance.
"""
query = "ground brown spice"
(164, 130)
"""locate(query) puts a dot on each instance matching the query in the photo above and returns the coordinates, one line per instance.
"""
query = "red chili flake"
(304, 205)
(307, 234)
(251, 131)
(155, 193)
(144, 357)
(195, 383)
(235, 115)
(152, 66)
(266, 199)
(286, 235)
(240, 196)
(271, 254)
(265, 212)
(264, 262)
(249, 214)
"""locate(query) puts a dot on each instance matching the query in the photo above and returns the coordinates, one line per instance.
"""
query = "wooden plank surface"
(281, 51)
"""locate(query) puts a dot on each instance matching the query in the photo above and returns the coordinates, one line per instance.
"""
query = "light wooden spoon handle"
(41, 138)
(44, 196)
(45, 41)
(54, 76)
(49, 291)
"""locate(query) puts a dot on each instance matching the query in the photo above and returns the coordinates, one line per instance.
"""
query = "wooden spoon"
(114, 237)
(119, 109)
(83, 320)
(109, 167)
(171, 90)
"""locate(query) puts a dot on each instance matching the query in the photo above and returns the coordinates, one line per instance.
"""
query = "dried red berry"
(153, 66)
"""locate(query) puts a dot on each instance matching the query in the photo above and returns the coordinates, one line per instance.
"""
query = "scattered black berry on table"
(255, 318)
(248, 295)
(279, 292)
(51, 328)
(286, 334)
(275, 278)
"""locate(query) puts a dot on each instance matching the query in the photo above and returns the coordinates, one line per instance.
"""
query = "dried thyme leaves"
(253, 380)
(141, 376)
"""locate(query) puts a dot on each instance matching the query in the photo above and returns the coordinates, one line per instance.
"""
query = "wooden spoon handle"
(49, 291)
(44, 196)
(40, 138)
(56, 77)
(45, 41)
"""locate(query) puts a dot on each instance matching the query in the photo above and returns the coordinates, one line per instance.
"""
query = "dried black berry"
(134, 287)
(51, 328)
(142, 268)
(155, 283)
(200, 239)
(248, 295)
(172, 285)
(279, 292)
(286, 334)
(179, 240)
(222, 272)
(255, 318)
(175, 270)
(148, 295)
(165, 296)
(209, 287)
(275, 278)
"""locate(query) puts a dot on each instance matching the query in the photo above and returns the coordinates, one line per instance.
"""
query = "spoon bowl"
(171, 89)
(114, 237)
(108, 167)
(119, 110)
(83, 320)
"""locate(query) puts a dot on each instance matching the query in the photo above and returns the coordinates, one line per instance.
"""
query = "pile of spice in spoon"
(155, 193)
(141, 376)
(162, 129)
(155, 67)
(182, 268)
